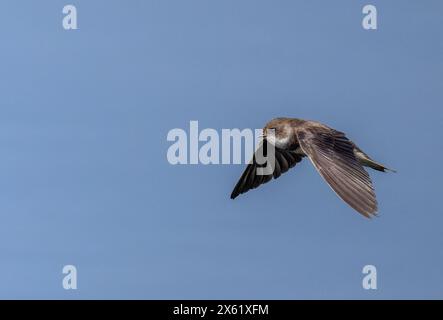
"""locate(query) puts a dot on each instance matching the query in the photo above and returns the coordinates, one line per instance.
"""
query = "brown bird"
(338, 160)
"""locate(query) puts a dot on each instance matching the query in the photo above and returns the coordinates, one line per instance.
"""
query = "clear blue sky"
(83, 173)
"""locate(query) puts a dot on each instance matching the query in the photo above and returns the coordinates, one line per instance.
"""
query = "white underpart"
(279, 142)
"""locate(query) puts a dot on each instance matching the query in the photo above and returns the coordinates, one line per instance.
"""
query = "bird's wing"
(284, 160)
(332, 154)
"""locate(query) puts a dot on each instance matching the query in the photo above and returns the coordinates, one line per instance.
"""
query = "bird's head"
(278, 132)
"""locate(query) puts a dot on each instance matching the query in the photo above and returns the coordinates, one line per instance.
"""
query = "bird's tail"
(377, 166)
(366, 161)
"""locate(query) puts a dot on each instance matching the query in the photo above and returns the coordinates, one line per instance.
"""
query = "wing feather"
(284, 160)
(332, 154)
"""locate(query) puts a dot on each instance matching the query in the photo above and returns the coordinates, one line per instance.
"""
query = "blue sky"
(84, 116)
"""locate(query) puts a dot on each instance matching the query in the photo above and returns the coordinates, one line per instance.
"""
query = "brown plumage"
(338, 160)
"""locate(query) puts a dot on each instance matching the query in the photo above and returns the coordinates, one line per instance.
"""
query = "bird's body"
(338, 160)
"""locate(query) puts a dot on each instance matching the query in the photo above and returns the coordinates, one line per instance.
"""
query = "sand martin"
(338, 160)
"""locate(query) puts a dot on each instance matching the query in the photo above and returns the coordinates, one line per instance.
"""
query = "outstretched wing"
(284, 160)
(333, 156)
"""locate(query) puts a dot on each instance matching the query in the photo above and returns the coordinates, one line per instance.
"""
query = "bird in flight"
(338, 160)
